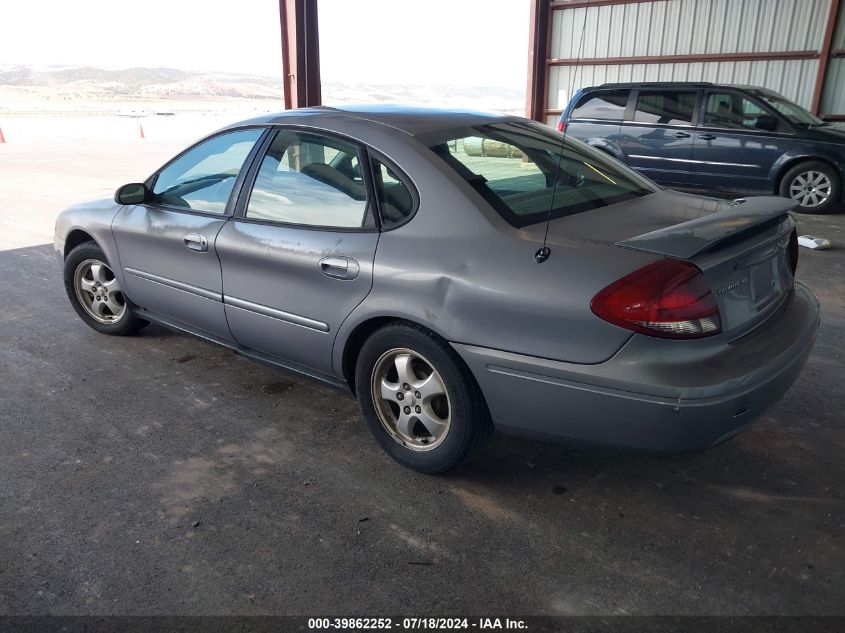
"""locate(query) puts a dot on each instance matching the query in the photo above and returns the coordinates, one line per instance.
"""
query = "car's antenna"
(543, 253)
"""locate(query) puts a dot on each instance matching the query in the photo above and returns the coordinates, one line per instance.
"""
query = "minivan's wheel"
(419, 400)
(95, 292)
(815, 186)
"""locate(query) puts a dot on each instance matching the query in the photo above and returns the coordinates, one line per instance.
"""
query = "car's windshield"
(792, 111)
(524, 170)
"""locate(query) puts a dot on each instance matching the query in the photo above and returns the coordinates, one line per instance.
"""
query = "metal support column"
(824, 55)
(538, 54)
(300, 53)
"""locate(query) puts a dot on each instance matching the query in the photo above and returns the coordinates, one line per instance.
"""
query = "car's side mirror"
(767, 123)
(133, 193)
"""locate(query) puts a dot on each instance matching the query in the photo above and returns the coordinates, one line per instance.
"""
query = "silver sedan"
(459, 272)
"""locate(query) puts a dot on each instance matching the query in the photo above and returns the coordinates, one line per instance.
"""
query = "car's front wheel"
(95, 292)
(814, 185)
(420, 401)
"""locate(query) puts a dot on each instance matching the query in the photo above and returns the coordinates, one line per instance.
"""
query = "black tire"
(833, 201)
(469, 423)
(128, 323)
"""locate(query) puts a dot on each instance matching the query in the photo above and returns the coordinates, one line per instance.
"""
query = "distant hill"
(87, 83)
(146, 83)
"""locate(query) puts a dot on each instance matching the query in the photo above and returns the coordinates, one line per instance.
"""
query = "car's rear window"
(607, 105)
(526, 171)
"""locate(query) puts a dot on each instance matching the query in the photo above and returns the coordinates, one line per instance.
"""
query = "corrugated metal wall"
(690, 27)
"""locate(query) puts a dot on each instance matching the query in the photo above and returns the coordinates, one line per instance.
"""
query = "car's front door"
(735, 146)
(298, 255)
(657, 136)
(167, 246)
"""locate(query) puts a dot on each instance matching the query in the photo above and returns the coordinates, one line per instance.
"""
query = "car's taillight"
(561, 125)
(792, 251)
(668, 298)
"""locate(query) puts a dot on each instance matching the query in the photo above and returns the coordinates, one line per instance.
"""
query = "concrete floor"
(159, 474)
(39, 178)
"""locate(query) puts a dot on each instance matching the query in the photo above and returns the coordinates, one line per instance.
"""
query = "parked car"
(401, 253)
(714, 138)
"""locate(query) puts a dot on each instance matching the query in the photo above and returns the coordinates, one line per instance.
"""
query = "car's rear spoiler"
(688, 239)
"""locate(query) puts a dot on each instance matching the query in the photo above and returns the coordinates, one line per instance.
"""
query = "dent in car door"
(167, 247)
(730, 152)
(301, 257)
(658, 141)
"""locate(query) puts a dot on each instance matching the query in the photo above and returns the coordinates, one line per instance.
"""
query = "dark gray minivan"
(714, 138)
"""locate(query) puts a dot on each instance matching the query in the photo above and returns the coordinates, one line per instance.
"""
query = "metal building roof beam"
(687, 58)
(300, 53)
(561, 5)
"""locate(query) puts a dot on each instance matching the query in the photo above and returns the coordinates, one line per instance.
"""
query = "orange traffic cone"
(2, 138)
(141, 130)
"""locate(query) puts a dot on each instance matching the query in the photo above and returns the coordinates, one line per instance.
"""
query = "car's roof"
(413, 120)
(674, 84)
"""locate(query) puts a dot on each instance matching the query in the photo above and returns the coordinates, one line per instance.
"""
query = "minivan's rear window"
(607, 105)
(527, 172)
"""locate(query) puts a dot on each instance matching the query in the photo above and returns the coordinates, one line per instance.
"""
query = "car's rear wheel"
(95, 292)
(814, 185)
(420, 401)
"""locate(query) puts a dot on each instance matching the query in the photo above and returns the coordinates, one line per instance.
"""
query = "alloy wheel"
(410, 399)
(810, 188)
(98, 291)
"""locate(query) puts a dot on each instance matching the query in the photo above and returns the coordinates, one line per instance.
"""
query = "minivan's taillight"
(792, 251)
(668, 298)
(561, 125)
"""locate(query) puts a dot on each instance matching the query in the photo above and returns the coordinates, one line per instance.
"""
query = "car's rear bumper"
(654, 394)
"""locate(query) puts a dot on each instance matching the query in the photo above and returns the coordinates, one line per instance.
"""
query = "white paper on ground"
(813, 242)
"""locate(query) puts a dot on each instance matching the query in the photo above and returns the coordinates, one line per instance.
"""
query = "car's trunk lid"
(741, 246)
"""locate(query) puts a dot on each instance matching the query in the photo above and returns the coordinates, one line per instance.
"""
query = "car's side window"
(607, 105)
(665, 107)
(202, 178)
(395, 199)
(732, 110)
(309, 179)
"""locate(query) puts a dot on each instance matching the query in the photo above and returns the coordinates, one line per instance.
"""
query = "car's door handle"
(339, 267)
(196, 242)
(681, 135)
(706, 137)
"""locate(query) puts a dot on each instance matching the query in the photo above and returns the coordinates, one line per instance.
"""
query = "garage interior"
(161, 474)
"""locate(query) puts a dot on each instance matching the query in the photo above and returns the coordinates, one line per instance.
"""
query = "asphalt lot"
(159, 474)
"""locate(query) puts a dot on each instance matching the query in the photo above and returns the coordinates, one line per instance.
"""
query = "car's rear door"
(297, 257)
(733, 150)
(167, 246)
(657, 135)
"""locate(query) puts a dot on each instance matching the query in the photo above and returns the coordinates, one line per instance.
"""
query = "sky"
(474, 42)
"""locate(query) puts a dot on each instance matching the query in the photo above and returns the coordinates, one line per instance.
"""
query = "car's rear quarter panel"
(603, 135)
(462, 271)
(794, 150)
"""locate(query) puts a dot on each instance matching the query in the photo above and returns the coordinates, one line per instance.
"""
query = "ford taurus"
(458, 272)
